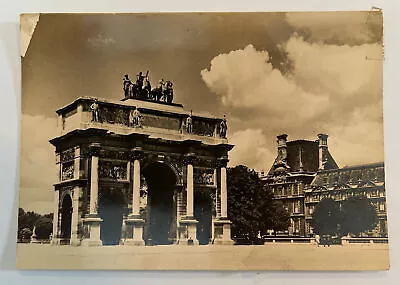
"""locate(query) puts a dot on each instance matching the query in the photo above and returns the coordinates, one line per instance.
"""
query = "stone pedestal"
(188, 232)
(94, 231)
(136, 224)
(222, 232)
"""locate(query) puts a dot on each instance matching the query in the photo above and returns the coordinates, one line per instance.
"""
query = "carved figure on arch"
(136, 116)
(95, 111)
(223, 127)
(189, 124)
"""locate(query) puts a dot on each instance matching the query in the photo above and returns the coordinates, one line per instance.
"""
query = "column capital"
(136, 153)
(94, 149)
(189, 158)
(222, 161)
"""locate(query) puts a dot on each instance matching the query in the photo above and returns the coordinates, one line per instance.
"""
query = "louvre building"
(304, 172)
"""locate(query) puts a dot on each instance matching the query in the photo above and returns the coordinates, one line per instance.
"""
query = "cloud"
(344, 28)
(330, 88)
(37, 167)
(251, 150)
(100, 40)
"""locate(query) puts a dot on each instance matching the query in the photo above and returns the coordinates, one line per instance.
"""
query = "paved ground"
(268, 257)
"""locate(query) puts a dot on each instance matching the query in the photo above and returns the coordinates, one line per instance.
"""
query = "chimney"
(282, 147)
(322, 150)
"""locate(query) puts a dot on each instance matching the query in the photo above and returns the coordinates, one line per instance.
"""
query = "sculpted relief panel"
(155, 121)
(204, 176)
(113, 170)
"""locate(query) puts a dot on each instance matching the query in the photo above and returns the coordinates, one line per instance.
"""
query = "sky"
(269, 73)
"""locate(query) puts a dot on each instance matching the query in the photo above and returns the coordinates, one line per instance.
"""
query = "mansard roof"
(303, 156)
(363, 175)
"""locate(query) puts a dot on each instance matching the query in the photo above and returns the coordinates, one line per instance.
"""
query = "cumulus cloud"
(37, 165)
(330, 88)
(345, 28)
(251, 150)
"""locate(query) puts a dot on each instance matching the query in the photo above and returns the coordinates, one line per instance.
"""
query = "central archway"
(112, 207)
(160, 227)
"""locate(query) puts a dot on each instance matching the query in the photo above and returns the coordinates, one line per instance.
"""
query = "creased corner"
(28, 24)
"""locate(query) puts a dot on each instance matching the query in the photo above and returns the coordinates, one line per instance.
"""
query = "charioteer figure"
(147, 88)
(223, 127)
(139, 81)
(127, 85)
(169, 92)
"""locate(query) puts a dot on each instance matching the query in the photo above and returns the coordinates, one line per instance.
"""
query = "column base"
(75, 242)
(93, 221)
(55, 241)
(188, 231)
(91, 242)
(222, 232)
(132, 242)
(137, 223)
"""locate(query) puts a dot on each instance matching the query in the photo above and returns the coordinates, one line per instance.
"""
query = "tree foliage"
(358, 215)
(28, 220)
(251, 207)
(326, 217)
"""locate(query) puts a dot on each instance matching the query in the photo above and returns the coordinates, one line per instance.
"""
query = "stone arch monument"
(146, 181)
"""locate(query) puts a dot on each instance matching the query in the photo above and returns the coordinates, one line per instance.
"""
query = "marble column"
(75, 239)
(222, 225)
(188, 223)
(134, 219)
(92, 220)
(56, 200)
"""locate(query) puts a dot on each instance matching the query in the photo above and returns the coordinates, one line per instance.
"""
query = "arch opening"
(112, 208)
(160, 213)
(66, 218)
(203, 214)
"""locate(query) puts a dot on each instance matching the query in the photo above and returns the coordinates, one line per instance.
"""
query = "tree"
(30, 219)
(358, 215)
(280, 218)
(251, 207)
(326, 217)
(44, 227)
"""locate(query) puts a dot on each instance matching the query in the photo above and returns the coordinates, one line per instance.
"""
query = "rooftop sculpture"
(141, 89)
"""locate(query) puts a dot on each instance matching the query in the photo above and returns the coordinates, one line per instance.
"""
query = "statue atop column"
(189, 124)
(95, 111)
(136, 116)
(223, 127)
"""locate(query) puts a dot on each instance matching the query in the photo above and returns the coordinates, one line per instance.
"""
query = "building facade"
(304, 172)
(366, 180)
(137, 172)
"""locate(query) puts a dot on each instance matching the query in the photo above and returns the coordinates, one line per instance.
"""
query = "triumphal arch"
(139, 172)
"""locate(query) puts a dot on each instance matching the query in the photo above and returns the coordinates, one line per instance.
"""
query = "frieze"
(113, 170)
(114, 115)
(203, 128)
(163, 122)
(67, 171)
(203, 176)
(113, 154)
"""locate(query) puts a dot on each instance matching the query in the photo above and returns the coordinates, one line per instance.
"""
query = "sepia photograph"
(202, 141)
